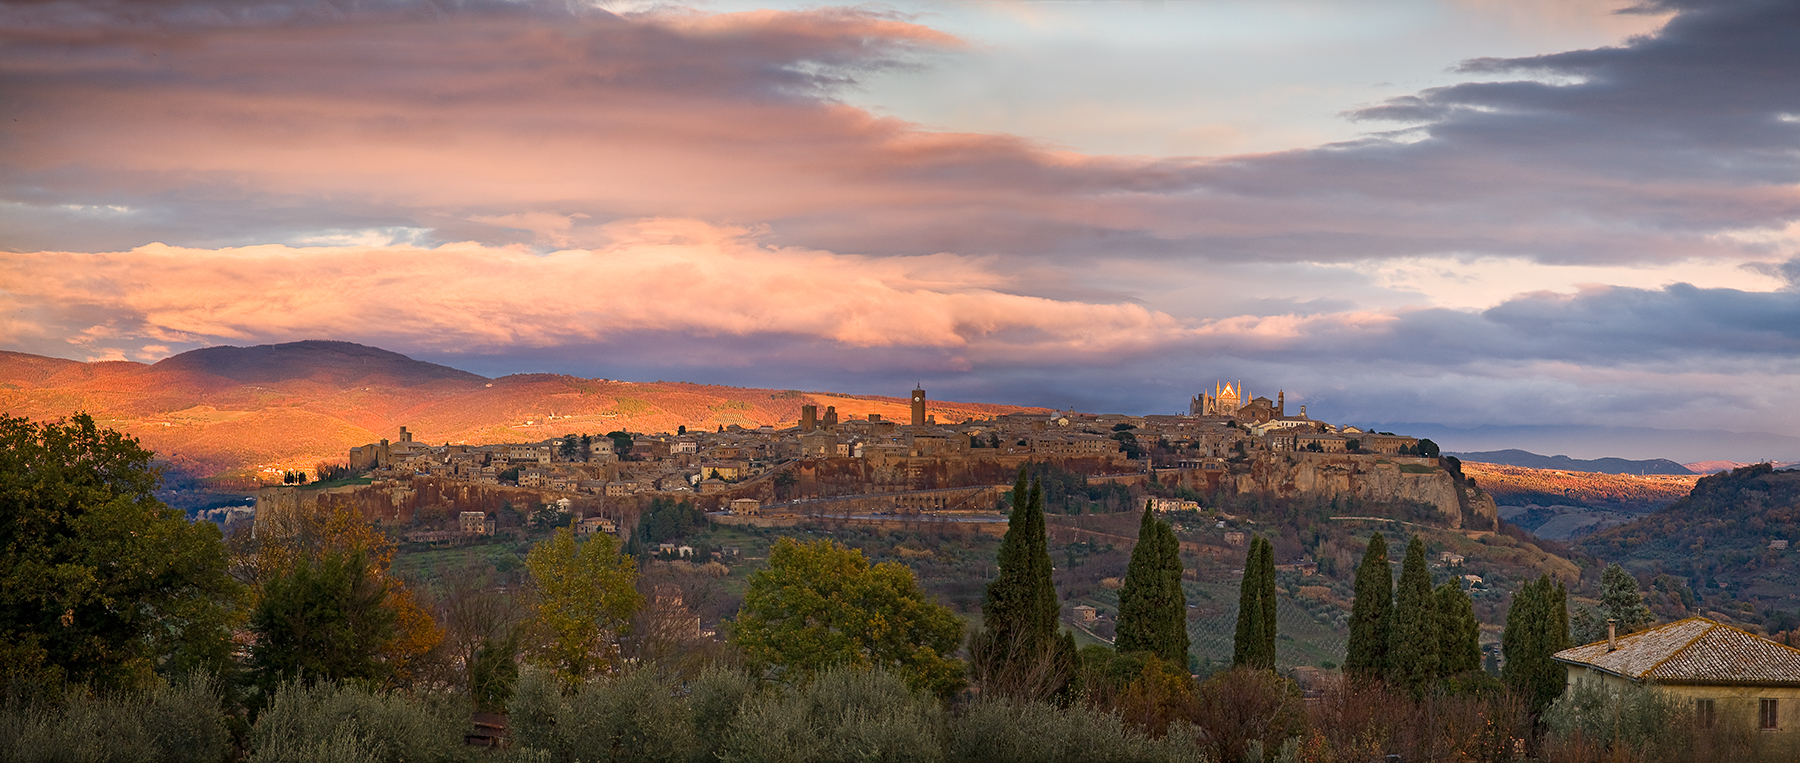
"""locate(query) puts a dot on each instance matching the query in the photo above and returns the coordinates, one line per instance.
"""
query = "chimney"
(1612, 635)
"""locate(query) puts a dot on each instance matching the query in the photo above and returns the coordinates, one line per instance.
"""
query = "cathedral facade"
(1233, 402)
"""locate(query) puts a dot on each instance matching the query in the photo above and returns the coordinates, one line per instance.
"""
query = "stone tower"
(809, 418)
(918, 407)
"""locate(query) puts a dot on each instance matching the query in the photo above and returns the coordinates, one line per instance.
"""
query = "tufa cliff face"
(1374, 478)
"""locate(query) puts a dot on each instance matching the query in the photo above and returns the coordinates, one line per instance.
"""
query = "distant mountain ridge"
(1529, 460)
(1595, 441)
(338, 362)
(241, 411)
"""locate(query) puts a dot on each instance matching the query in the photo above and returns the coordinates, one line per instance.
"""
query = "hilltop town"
(870, 465)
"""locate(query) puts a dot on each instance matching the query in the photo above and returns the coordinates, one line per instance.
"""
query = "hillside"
(1718, 542)
(241, 411)
(1714, 467)
(1521, 486)
(1563, 505)
(1529, 460)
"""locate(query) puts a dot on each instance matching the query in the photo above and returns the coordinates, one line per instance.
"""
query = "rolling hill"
(1731, 542)
(245, 411)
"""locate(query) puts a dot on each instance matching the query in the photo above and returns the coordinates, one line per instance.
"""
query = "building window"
(1703, 713)
(1769, 714)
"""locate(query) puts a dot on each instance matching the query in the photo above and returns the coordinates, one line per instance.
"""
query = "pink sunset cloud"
(654, 275)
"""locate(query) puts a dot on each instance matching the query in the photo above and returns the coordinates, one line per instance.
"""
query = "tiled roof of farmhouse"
(1695, 650)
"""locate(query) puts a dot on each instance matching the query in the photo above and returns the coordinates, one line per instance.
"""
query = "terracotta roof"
(1695, 650)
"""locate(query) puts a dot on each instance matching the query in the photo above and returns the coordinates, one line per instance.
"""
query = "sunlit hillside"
(1519, 486)
(249, 411)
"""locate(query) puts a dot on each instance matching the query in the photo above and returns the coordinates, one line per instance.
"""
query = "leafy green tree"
(1621, 600)
(570, 447)
(1537, 627)
(820, 605)
(1413, 640)
(587, 593)
(668, 520)
(1152, 605)
(99, 581)
(325, 619)
(1371, 613)
(622, 443)
(1459, 633)
(1018, 651)
(1254, 644)
(1428, 449)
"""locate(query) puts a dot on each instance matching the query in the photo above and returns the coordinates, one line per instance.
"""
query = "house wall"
(1728, 701)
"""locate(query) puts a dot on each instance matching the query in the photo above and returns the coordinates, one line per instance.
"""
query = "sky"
(1513, 214)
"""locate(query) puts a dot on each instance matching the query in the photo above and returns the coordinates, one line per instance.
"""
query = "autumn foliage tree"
(587, 594)
(819, 606)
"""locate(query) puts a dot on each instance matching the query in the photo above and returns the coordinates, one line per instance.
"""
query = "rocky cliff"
(1371, 478)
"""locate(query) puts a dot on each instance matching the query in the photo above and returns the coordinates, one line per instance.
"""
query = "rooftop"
(1695, 650)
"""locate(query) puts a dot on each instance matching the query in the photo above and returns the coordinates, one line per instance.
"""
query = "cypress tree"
(1254, 644)
(1152, 606)
(1138, 597)
(1459, 648)
(1519, 640)
(1371, 613)
(1246, 643)
(1553, 678)
(1019, 610)
(1413, 637)
(1175, 644)
(1537, 626)
(1266, 579)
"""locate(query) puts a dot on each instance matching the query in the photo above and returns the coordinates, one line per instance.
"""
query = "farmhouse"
(1723, 671)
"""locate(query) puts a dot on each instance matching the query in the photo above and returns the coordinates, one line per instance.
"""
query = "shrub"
(1359, 721)
(178, 722)
(1009, 732)
(840, 715)
(629, 717)
(715, 698)
(1246, 704)
(330, 721)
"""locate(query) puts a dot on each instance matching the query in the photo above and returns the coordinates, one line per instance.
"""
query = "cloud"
(657, 275)
(681, 299)
(540, 123)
